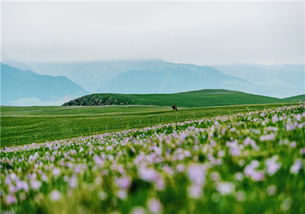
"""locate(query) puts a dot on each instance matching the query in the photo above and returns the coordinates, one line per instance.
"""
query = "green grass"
(201, 98)
(295, 98)
(246, 163)
(23, 125)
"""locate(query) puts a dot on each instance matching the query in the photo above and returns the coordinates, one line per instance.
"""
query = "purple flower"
(234, 148)
(275, 118)
(225, 188)
(195, 191)
(250, 171)
(302, 151)
(154, 205)
(35, 184)
(293, 144)
(11, 199)
(73, 182)
(290, 126)
(268, 137)
(296, 167)
(148, 174)
(97, 160)
(272, 165)
(138, 210)
(22, 185)
(196, 173)
(55, 195)
(56, 172)
(122, 194)
(123, 182)
(251, 142)
(180, 167)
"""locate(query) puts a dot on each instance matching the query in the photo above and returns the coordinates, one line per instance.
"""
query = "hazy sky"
(192, 32)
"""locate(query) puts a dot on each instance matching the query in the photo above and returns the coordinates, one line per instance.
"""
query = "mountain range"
(159, 76)
(136, 76)
(273, 80)
(24, 87)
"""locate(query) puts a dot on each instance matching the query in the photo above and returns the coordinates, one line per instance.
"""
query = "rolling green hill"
(295, 98)
(208, 97)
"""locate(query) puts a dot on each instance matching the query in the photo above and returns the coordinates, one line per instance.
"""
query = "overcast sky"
(191, 32)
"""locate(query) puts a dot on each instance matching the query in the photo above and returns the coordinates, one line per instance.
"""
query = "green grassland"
(295, 98)
(200, 98)
(23, 125)
(246, 163)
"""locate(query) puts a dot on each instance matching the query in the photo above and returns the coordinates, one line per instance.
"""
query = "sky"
(207, 32)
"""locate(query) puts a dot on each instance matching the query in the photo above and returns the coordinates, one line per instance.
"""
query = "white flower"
(194, 191)
(102, 195)
(196, 173)
(56, 172)
(296, 167)
(272, 165)
(123, 182)
(122, 194)
(240, 196)
(225, 188)
(97, 160)
(148, 174)
(268, 137)
(154, 205)
(11, 199)
(137, 210)
(250, 171)
(73, 182)
(239, 176)
(35, 184)
(271, 190)
(180, 167)
(55, 195)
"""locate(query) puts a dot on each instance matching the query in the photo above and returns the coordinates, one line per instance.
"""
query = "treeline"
(100, 100)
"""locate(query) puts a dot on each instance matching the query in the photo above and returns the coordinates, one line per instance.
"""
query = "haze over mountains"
(141, 76)
(158, 76)
(106, 76)
(24, 87)
(273, 80)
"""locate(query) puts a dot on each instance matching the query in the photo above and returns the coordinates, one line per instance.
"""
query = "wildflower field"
(243, 163)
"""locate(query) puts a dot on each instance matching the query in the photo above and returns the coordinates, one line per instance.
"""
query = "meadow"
(240, 159)
(22, 125)
(199, 98)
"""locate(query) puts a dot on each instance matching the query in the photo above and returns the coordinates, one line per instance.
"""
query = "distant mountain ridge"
(22, 86)
(200, 98)
(274, 80)
(159, 76)
(173, 79)
(144, 76)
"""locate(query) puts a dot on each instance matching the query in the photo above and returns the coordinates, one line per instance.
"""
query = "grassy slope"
(295, 98)
(22, 125)
(209, 97)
